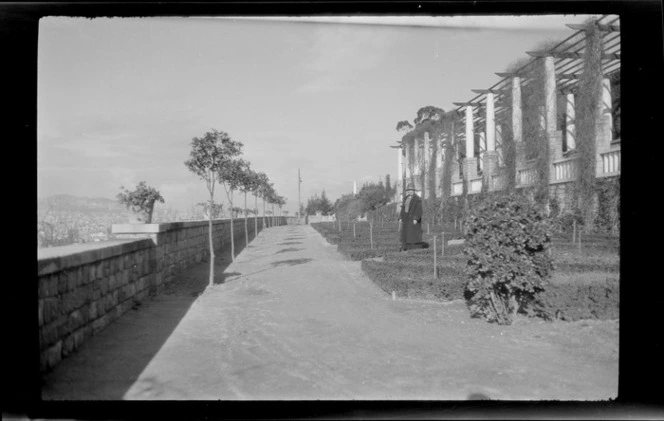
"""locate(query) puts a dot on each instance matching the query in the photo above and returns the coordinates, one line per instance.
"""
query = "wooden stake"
(428, 229)
(573, 231)
(579, 240)
(353, 230)
(371, 234)
(442, 249)
(394, 295)
(435, 268)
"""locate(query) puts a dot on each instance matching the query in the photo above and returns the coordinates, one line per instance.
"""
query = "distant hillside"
(67, 202)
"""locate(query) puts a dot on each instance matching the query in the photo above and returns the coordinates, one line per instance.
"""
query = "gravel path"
(294, 320)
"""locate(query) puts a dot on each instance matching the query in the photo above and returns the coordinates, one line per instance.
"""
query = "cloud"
(340, 54)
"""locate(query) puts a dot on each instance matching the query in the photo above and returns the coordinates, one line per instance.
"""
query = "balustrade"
(611, 162)
(564, 170)
(527, 177)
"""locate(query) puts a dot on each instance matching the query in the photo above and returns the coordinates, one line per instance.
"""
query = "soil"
(298, 321)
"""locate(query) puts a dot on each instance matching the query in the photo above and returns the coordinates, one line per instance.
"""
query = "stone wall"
(84, 287)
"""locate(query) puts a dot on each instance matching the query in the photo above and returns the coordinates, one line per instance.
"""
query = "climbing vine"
(590, 91)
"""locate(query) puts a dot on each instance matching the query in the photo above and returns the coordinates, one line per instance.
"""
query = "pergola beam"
(566, 55)
(488, 91)
(465, 104)
(569, 76)
(600, 26)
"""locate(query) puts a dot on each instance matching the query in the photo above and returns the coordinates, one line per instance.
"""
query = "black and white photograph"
(329, 207)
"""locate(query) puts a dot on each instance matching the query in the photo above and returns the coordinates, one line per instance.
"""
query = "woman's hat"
(410, 186)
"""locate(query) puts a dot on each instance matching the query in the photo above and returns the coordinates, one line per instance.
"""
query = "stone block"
(130, 290)
(106, 268)
(62, 283)
(93, 310)
(96, 294)
(43, 286)
(140, 284)
(114, 297)
(79, 337)
(40, 312)
(99, 324)
(48, 335)
(76, 320)
(103, 286)
(67, 345)
(53, 355)
(124, 278)
(51, 309)
(122, 294)
(82, 275)
(112, 282)
(92, 272)
(63, 326)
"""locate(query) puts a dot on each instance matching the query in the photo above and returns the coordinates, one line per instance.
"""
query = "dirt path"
(294, 320)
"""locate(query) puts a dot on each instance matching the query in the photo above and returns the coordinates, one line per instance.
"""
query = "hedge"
(390, 278)
(582, 296)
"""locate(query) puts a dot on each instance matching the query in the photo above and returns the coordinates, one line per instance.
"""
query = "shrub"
(507, 246)
(140, 200)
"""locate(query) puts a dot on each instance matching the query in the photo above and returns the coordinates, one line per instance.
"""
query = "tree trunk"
(246, 230)
(211, 242)
(263, 213)
(232, 240)
(255, 216)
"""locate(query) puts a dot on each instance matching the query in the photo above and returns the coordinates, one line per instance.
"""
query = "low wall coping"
(169, 226)
(55, 259)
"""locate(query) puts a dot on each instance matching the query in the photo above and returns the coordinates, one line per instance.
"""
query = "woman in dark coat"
(411, 220)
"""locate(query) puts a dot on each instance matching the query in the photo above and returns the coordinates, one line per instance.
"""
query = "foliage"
(590, 90)
(428, 113)
(348, 207)
(217, 209)
(507, 243)
(374, 196)
(208, 155)
(608, 194)
(404, 125)
(319, 204)
(142, 198)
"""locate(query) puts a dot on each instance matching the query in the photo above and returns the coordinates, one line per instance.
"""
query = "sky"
(119, 99)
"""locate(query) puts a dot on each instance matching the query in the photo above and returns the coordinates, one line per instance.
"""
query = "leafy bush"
(141, 199)
(507, 246)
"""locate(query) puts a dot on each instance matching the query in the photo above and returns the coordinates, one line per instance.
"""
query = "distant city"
(67, 219)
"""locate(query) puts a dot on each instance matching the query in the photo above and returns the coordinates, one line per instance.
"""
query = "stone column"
(490, 160)
(604, 125)
(490, 123)
(481, 156)
(570, 126)
(470, 162)
(517, 117)
(470, 135)
(426, 159)
(517, 121)
(550, 109)
(606, 116)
